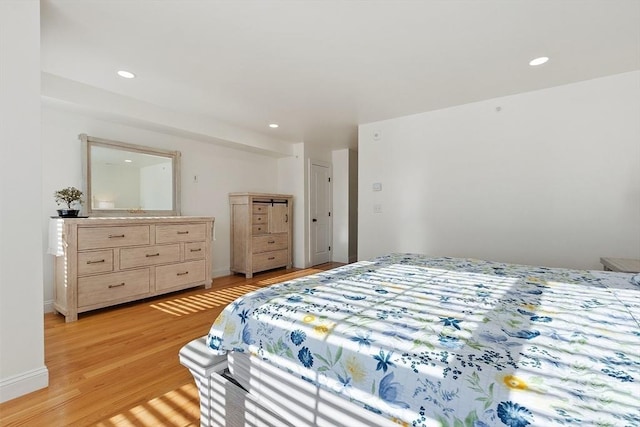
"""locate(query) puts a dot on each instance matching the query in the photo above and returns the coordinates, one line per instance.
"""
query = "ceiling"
(320, 68)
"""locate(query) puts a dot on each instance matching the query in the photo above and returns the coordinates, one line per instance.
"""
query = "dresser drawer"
(259, 219)
(95, 262)
(149, 255)
(112, 237)
(170, 276)
(260, 208)
(194, 250)
(269, 242)
(174, 233)
(260, 229)
(268, 260)
(113, 286)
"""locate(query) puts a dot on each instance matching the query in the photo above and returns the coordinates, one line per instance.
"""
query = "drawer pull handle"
(116, 236)
(95, 262)
(183, 232)
(150, 255)
(286, 217)
(196, 250)
(271, 242)
(271, 258)
(116, 286)
(182, 274)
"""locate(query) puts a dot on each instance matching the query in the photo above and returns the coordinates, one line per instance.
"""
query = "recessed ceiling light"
(273, 125)
(538, 61)
(126, 74)
(128, 161)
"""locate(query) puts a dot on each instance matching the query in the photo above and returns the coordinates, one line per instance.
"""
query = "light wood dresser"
(261, 232)
(108, 261)
(625, 265)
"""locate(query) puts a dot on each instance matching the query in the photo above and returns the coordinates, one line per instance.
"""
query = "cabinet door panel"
(279, 218)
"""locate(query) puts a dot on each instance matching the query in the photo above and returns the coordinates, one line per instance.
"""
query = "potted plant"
(69, 196)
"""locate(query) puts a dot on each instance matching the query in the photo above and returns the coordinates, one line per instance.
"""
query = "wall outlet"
(377, 208)
(377, 186)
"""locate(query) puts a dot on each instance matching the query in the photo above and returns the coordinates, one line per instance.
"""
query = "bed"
(411, 340)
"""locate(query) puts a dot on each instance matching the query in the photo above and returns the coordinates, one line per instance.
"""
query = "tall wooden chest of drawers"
(108, 261)
(261, 232)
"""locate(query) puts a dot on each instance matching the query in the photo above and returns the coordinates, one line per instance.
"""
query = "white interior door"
(320, 212)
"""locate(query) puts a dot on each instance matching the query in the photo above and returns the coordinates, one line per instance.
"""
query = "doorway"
(320, 207)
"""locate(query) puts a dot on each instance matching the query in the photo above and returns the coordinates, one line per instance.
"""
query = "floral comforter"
(454, 342)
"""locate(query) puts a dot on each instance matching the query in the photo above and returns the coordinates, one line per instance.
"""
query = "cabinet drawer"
(259, 219)
(149, 255)
(259, 229)
(260, 208)
(174, 233)
(110, 287)
(95, 262)
(194, 250)
(268, 260)
(170, 276)
(269, 242)
(112, 237)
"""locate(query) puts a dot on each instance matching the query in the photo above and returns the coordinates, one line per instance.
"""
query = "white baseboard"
(220, 272)
(48, 306)
(19, 385)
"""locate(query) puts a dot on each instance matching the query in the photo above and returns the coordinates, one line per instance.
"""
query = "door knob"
(314, 220)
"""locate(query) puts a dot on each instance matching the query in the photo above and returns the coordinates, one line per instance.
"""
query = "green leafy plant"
(68, 196)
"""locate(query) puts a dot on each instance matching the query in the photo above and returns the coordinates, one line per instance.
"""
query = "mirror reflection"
(124, 178)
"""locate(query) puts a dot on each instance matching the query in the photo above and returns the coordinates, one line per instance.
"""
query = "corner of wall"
(26, 382)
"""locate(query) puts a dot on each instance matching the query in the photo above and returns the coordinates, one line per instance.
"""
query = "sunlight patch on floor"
(289, 276)
(196, 303)
(176, 408)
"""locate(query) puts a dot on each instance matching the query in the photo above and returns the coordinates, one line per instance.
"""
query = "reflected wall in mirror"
(122, 179)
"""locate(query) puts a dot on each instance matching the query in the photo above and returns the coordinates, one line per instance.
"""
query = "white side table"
(625, 265)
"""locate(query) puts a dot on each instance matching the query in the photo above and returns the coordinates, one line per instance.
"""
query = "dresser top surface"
(134, 220)
(625, 265)
(261, 195)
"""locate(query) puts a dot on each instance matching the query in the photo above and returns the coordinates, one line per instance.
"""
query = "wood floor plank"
(119, 366)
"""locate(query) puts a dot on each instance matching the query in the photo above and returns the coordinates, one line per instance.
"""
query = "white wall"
(154, 184)
(118, 184)
(22, 367)
(345, 205)
(353, 206)
(340, 187)
(292, 180)
(220, 170)
(553, 178)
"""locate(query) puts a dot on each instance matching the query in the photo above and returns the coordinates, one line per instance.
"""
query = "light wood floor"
(119, 366)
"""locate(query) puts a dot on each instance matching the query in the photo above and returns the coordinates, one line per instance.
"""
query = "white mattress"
(298, 401)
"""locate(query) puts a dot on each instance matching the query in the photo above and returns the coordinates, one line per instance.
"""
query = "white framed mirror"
(122, 179)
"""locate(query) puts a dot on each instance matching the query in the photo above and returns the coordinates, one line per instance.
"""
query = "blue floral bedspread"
(453, 342)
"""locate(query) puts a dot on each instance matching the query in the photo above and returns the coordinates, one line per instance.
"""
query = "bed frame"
(222, 401)
(280, 399)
